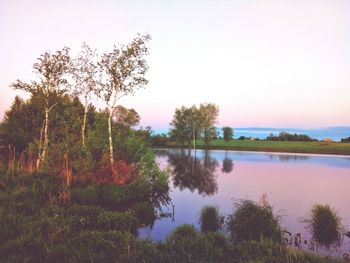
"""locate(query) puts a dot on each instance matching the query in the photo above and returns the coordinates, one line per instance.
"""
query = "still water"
(292, 182)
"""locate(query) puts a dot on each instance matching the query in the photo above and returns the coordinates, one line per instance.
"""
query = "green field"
(277, 146)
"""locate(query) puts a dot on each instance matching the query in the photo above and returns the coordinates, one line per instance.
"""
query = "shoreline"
(277, 148)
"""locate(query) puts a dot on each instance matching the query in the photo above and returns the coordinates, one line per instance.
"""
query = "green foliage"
(183, 125)
(228, 133)
(159, 140)
(209, 113)
(325, 225)
(210, 219)
(285, 136)
(189, 123)
(181, 243)
(97, 246)
(185, 244)
(145, 213)
(182, 232)
(14, 128)
(251, 221)
(154, 180)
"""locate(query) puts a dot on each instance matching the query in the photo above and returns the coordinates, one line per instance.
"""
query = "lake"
(292, 182)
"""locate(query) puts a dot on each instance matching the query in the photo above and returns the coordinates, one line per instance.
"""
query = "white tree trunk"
(83, 127)
(46, 134)
(42, 154)
(110, 138)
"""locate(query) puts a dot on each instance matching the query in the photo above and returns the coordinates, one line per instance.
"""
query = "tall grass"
(210, 219)
(251, 221)
(325, 225)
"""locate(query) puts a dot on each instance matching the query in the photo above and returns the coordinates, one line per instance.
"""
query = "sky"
(264, 63)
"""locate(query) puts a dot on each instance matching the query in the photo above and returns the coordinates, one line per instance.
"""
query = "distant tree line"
(183, 131)
(345, 139)
(285, 136)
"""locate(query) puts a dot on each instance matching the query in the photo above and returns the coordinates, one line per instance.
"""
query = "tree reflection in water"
(227, 164)
(194, 173)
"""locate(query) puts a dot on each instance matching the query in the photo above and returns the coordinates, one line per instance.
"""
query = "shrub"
(182, 232)
(87, 196)
(212, 247)
(250, 221)
(148, 251)
(145, 213)
(97, 246)
(181, 243)
(184, 244)
(109, 220)
(325, 225)
(210, 219)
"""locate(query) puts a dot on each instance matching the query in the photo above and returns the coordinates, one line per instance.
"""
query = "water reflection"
(193, 173)
(286, 157)
(294, 182)
(227, 164)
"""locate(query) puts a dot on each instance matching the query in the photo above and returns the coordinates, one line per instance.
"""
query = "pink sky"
(265, 63)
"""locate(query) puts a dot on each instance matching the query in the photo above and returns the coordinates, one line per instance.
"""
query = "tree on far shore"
(228, 133)
(209, 114)
(189, 124)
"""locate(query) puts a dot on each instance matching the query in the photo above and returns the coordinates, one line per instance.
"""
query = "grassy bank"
(276, 146)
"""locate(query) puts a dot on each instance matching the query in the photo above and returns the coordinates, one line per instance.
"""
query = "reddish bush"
(120, 174)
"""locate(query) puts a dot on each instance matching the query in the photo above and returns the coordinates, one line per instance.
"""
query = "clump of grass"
(251, 221)
(182, 232)
(325, 225)
(210, 219)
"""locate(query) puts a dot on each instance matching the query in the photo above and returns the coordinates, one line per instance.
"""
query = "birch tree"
(122, 72)
(84, 72)
(51, 70)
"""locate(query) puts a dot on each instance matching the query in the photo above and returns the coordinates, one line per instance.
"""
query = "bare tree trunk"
(83, 127)
(110, 138)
